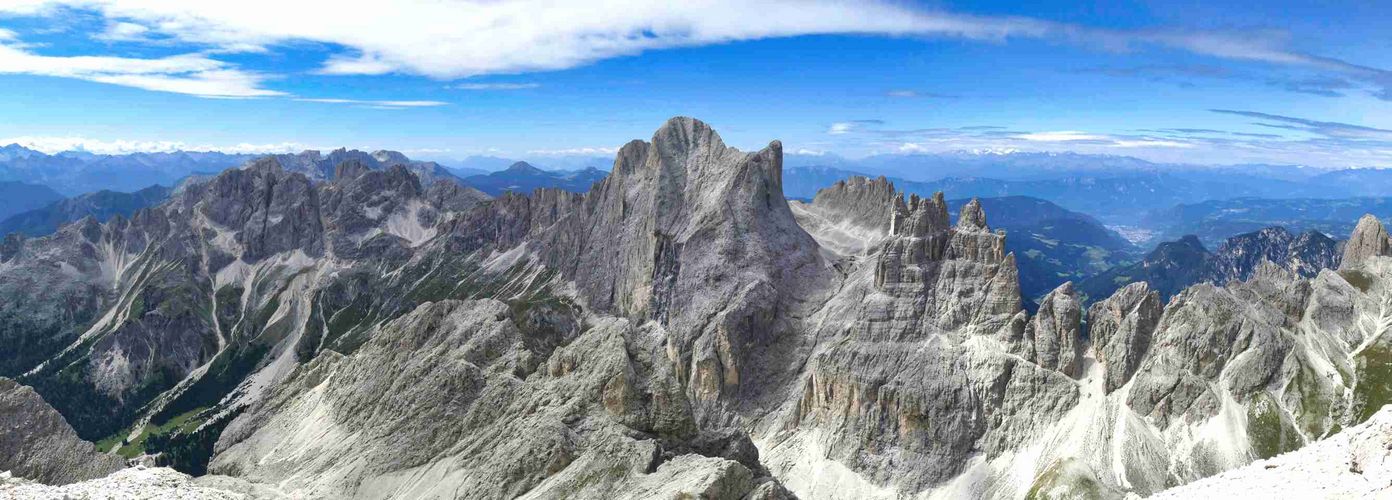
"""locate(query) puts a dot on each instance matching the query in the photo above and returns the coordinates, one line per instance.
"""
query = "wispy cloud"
(1303, 141)
(183, 74)
(909, 94)
(495, 86)
(1193, 75)
(450, 40)
(1324, 128)
(847, 127)
(374, 103)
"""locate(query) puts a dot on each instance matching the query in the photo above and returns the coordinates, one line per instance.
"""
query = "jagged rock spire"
(972, 216)
(1055, 335)
(1369, 239)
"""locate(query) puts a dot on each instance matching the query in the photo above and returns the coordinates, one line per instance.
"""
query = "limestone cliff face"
(914, 352)
(1053, 338)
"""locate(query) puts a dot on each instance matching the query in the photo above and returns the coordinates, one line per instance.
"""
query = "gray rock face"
(479, 395)
(860, 201)
(1369, 239)
(1121, 328)
(37, 444)
(849, 217)
(1053, 338)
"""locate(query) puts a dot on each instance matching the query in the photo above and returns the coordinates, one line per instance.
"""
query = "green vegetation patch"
(1268, 431)
(1374, 388)
(1359, 279)
(1067, 479)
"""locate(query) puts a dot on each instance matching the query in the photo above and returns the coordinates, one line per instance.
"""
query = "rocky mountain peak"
(861, 201)
(685, 135)
(973, 218)
(350, 169)
(1054, 337)
(1369, 239)
(523, 167)
(269, 165)
(920, 216)
(390, 157)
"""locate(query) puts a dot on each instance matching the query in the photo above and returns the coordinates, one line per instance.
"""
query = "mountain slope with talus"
(679, 329)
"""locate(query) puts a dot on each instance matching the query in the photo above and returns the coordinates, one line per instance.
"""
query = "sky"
(1206, 82)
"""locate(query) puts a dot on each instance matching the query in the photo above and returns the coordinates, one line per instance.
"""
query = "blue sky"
(1190, 81)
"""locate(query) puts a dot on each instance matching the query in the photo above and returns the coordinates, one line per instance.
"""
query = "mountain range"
(1215, 220)
(522, 177)
(679, 330)
(1176, 265)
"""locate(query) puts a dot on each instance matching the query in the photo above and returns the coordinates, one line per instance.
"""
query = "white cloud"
(1149, 143)
(1061, 136)
(461, 39)
(7, 35)
(123, 32)
(183, 74)
(840, 128)
(374, 103)
(58, 144)
(495, 86)
(449, 40)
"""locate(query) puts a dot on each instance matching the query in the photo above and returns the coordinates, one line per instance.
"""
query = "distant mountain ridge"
(101, 205)
(1176, 265)
(522, 177)
(76, 172)
(1215, 220)
(16, 197)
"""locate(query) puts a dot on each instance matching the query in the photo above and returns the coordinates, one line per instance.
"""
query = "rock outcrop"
(1053, 338)
(1120, 330)
(37, 444)
(1369, 239)
(849, 216)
